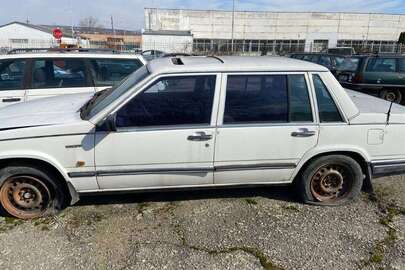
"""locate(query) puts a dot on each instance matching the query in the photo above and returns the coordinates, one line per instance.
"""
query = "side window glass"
(12, 74)
(184, 100)
(256, 99)
(299, 103)
(328, 111)
(382, 65)
(325, 61)
(109, 72)
(402, 65)
(59, 73)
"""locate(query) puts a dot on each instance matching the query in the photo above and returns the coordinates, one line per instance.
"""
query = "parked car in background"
(198, 122)
(331, 61)
(341, 51)
(379, 75)
(28, 76)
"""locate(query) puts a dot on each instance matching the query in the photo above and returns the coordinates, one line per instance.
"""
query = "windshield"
(347, 63)
(102, 100)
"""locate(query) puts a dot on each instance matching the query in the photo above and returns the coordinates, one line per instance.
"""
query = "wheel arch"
(67, 187)
(359, 157)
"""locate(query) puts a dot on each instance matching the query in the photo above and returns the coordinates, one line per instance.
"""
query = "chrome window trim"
(332, 94)
(157, 78)
(224, 84)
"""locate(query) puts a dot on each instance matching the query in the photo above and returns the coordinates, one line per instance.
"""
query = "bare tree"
(90, 22)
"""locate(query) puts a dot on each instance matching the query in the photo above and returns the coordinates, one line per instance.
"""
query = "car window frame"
(221, 112)
(27, 71)
(151, 82)
(89, 77)
(332, 95)
(381, 57)
(89, 66)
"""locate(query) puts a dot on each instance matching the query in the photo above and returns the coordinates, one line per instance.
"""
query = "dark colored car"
(379, 75)
(331, 61)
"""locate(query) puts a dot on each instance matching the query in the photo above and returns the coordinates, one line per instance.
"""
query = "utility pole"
(112, 26)
(233, 24)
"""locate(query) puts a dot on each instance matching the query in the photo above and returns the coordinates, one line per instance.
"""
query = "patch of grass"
(9, 224)
(251, 201)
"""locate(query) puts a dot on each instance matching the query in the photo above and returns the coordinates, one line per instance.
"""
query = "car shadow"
(280, 193)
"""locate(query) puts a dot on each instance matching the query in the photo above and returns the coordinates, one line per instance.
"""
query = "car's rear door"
(165, 136)
(12, 81)
(265, 127)
(381, 71)
(58, 76)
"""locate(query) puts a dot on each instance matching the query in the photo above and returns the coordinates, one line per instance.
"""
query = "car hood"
(43, 112)
(373, 110)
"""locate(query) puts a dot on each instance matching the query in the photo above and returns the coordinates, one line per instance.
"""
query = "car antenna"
(389, 112)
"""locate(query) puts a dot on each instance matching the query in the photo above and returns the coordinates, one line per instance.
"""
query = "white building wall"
(278, 25)
(20, 36)
(167, 43)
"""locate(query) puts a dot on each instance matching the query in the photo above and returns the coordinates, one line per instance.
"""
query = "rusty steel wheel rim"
(25, 197)
(331, 183)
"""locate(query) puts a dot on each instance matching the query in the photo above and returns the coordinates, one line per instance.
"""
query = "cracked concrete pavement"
(260, 228)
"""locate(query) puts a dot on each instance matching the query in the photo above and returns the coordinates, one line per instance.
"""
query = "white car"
(197, 122)
(28, 76)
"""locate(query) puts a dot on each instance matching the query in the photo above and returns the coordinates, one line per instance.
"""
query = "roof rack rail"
(61, 50)
(216, 57)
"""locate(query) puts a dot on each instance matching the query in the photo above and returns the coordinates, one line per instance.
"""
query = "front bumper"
(381, 168)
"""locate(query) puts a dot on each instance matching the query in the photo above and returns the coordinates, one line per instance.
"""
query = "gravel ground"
(262, 228)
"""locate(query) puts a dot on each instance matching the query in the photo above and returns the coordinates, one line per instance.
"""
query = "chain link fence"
(216, 47)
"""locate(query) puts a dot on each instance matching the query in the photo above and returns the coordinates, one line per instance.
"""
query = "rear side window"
(12, 74)
(109, 72)
(382, 65)
(266, 99)
(59, 73)
(328, 111)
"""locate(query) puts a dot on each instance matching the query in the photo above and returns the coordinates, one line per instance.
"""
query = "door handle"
(11, 99)
(303, 133)
(199, 136)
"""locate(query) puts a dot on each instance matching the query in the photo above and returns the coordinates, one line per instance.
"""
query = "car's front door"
(381, 71)
(164, 136)
(268, 125)
(12, 80)
(58, 76)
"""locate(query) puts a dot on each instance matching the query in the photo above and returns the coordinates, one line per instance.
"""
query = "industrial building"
(278, 32)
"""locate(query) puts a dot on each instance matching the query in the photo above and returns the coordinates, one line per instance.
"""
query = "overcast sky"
(129, 13)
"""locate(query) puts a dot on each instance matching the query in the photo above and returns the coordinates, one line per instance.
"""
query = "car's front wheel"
(331, 180)
(28, 192)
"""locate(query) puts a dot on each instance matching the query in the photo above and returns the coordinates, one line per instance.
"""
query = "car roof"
(71, 55)
(231, 64)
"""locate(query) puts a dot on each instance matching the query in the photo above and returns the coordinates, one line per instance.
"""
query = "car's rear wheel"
(392, 95)
(27, 192)
(331, 180)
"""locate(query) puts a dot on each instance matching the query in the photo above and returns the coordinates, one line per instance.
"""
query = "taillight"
(357, 78)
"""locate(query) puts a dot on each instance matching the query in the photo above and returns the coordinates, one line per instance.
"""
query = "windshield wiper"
(90, 102)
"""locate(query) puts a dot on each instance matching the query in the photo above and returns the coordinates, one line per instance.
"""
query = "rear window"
(109, 72)
(347, 63)
(382, 65)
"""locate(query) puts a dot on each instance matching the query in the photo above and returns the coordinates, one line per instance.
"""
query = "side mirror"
(109, 124)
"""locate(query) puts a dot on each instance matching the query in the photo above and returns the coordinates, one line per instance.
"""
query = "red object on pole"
(57, 33)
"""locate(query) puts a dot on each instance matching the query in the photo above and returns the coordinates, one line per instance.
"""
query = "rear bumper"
(383, 168)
